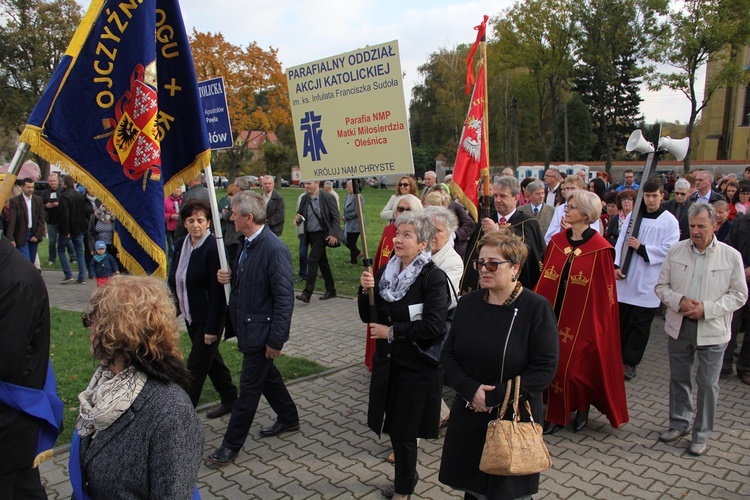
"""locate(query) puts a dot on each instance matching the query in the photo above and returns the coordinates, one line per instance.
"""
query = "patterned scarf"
(107, 397)
(104, 215)
(395, 284)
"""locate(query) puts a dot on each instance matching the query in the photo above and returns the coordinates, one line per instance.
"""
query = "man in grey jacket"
(702, 283)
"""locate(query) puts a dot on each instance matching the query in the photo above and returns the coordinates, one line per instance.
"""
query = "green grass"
(74, 365)
(345, 275)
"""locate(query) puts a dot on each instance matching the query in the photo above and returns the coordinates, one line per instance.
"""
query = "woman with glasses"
(499, 331)
(407, 204)
(405, 185)
(743, 199)
(625, 202)
(137, 434)
(411, 301)
(578, 279)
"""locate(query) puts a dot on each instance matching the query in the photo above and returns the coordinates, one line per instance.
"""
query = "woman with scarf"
(102, 228)
(411, 306)
(201, 301)
(137, 435)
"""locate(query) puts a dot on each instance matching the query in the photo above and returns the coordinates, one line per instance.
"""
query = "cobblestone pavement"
(334, 455)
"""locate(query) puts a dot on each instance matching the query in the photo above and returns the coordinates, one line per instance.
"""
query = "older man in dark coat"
(260, 315)
(72, 226)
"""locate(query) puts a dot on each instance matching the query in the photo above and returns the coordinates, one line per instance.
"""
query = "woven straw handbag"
(512, 447)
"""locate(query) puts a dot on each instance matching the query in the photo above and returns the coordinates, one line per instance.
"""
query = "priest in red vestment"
(578, 280)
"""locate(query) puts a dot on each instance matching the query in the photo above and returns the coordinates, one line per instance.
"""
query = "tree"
(538, 35)
(703, 31)
(255, 84)
(613, 37)
(581, 139)
(33, 38)
(439, 104)
(277, 158)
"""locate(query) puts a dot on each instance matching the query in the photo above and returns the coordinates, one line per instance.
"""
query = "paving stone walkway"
(334, 455)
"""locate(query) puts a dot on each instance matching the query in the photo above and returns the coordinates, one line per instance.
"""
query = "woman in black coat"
(411, 297)
(201, 301)
(499, 331)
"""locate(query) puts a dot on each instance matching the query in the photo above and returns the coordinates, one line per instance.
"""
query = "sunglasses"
(403, 184)
(403, 209)
(490, 265)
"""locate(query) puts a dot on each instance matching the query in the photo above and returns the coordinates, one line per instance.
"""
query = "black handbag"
(431, 353)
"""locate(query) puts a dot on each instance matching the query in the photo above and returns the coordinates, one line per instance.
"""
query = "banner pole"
(366, 260)
(485, 169)
(12, 174)
(216, 216)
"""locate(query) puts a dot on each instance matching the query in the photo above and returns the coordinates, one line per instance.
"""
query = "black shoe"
(304, 297)
(628, 372)
(582, 418)
(301, 279)
(222, 456)
(725, 372)
(219, 411)
(328, 295)
(278, 428)
(550, 428)
(391, 489)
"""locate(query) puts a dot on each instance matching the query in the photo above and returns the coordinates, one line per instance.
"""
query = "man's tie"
(536, 211)
(502, 221)
(244, 253)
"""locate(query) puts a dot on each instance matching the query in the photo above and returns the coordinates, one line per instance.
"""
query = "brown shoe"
(745, 378)
(391, 459)
(219, 411)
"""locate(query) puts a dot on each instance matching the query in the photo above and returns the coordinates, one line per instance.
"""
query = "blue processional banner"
(122, 114)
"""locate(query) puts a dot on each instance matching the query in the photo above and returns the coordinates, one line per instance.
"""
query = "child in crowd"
(103, 266)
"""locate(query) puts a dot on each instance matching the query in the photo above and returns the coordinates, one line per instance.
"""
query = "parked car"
(284, 183)
(253, 180)
(220, 181)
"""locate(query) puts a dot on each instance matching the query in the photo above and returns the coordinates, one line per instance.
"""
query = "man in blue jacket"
(260, 315)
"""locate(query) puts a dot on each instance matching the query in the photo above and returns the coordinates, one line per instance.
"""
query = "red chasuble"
(590, 366)
(385, 249)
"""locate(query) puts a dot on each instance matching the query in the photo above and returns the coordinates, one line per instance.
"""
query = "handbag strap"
(505, 348)
(516, 394)
(504, 407)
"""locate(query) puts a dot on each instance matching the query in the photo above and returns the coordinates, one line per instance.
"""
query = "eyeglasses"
(631, 200)
(490, 265)
(403, 184)
(680, 194)
(746, 193)
(570, 207)
(403, 209)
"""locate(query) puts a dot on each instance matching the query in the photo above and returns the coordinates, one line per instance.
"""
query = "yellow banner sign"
(350, 116)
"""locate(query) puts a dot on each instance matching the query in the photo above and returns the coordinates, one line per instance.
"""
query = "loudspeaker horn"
(678, 147)
(638, 143)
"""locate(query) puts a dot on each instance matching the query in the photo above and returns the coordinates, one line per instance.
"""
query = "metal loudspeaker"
(678, 147)
(638, 143)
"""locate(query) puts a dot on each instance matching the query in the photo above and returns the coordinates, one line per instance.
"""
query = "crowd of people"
(558, 283)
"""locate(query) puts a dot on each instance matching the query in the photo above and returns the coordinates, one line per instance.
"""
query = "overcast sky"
(308, 30)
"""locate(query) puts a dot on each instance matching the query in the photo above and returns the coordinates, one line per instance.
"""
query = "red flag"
(472, 155)
(481, 34)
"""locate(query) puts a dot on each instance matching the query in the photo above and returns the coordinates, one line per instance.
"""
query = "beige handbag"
(512, 447)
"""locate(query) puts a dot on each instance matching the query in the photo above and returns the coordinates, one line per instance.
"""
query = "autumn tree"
(255, 84)
(33, 37)
(614, 39)
(538, 36)
(439, 103)
(703, 31)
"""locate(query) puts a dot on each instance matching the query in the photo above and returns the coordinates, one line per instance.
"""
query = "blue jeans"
(52, 239)
(77, 240)
(29, 249)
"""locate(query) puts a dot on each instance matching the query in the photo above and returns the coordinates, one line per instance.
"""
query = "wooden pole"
(366, 260)
(12, 175)
(485, 170)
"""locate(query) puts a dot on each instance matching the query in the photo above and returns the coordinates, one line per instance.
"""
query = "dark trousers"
(635, 328)
(22, 484)
(351, 244)
(405, 453)
(740, 323)
(205, 361)
(318, 259)
(303, 248)
(259, 376)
